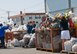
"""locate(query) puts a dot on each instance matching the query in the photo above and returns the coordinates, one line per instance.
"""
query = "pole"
(21, 17)
(45, 6)
(8, 12)
(69, 4)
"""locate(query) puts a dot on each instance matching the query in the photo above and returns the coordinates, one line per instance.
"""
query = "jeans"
(2, 41)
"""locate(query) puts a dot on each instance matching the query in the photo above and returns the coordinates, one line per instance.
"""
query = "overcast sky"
(14, 6)
(60, 4)
(20, 5)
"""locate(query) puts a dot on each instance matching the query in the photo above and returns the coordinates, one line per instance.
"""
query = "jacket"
(2, 30)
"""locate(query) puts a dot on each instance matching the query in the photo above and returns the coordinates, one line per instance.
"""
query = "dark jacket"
(64, 24)
(33, 30)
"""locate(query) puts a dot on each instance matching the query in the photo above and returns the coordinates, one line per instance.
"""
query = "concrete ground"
(19, 50)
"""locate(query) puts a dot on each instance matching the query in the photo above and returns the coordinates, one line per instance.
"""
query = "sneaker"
(3, 47)
(23, 46)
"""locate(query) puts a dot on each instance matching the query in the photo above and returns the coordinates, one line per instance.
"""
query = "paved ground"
(23, 51)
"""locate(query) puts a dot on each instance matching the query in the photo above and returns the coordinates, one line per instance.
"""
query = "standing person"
(65, 34)
(34, 25)
(2, 34)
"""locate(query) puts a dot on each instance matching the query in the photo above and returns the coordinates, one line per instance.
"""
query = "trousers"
(2, 41)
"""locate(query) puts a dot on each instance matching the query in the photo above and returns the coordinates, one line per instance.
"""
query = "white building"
(37, 17)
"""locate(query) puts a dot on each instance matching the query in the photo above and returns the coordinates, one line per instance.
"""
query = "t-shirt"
(64, 24)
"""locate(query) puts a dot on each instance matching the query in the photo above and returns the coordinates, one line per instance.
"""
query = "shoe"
(23, 46)
(3, 47)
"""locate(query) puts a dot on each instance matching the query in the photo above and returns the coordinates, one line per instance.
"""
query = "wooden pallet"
(42, 49)
(66, 52)
(48, 50)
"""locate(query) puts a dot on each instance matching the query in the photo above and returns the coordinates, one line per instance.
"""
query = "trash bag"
(22, 42)
(9, 44)
(25, 40)
(68, 45)
(74, 40)
(32, 41)
(15, 42)
(26, 36)
(74, 48)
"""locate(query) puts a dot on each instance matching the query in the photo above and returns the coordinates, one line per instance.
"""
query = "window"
(30, 17)
(36, 17)
(39, 17)
(17, 19)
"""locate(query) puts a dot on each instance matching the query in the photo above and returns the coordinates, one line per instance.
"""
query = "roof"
(24, 14)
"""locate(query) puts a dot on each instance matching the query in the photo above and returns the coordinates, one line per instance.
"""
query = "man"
(2, 34)
(29, 27)
(34, 26)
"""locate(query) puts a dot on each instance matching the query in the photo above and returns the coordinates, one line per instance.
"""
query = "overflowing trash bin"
(47, 40)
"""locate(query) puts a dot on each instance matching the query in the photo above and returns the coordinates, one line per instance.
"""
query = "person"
(65, 34)
(29, 27)
(34, 26)
(2, 34)
(29, 37)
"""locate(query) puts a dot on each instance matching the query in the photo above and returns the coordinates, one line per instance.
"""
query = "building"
(37, 17)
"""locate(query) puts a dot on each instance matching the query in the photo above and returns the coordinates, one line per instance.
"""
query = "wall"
(36, 18)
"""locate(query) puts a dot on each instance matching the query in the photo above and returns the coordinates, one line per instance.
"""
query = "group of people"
(65, 34)
(30, 30)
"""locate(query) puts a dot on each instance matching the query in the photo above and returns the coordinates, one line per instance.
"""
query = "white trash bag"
(68, 45)
(15, 42)
(32, 40)
(26, 36)
(74, 48)
(9, 44)
(73, 39)
(22, 42)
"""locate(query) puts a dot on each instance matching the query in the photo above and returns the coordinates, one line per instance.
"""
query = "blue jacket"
(2, 30)
(29, 27)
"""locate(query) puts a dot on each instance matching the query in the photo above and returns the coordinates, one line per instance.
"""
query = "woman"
(65, 34)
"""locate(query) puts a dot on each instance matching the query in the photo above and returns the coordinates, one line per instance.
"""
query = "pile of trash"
(27, 41)
(71, 45)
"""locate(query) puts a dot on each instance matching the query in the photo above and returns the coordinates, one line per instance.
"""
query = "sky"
(60, 4)
(15, 6)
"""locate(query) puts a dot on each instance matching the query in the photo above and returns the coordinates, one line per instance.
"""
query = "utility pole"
(69, 5)
(21, 17)
(45, 6)
(8, 12)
